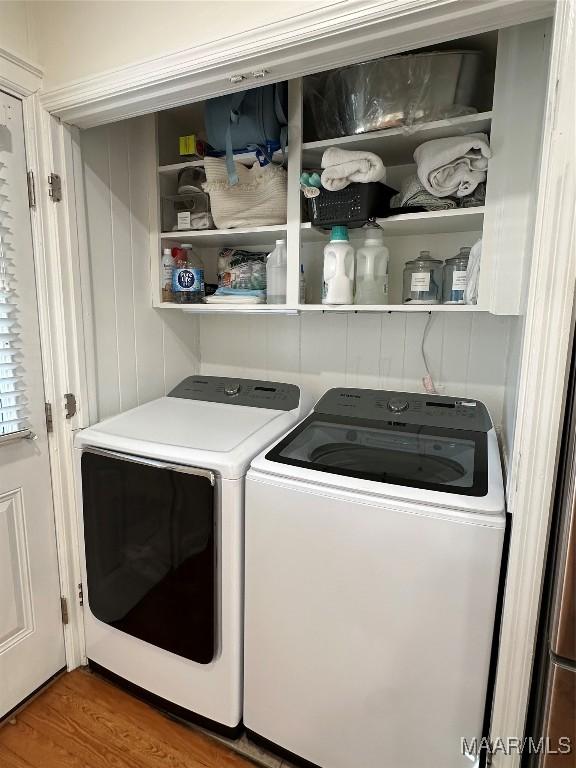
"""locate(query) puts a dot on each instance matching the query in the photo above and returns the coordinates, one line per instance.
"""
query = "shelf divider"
(428, 223)
(293, 231)
(216, 237)
(396, 145)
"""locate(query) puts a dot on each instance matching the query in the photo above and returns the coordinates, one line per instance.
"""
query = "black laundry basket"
(351, 207)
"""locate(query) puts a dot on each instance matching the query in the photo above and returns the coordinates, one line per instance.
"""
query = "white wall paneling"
(140, 352)
(467, 354)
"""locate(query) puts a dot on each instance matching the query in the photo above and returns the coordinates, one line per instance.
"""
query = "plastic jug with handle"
(338, 278)
(372, 269)
(276, 274)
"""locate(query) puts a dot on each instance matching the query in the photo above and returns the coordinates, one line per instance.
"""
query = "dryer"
(374, 535)
(161, 497)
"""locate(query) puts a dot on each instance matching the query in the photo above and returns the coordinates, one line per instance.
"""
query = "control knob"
(397, 405)
(231, 389)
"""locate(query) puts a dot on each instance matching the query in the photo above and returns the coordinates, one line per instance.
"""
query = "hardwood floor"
(82, 721)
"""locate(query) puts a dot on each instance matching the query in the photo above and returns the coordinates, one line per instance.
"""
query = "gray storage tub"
(396, 90)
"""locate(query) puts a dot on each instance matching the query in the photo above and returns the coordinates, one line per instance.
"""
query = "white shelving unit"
(505, 239)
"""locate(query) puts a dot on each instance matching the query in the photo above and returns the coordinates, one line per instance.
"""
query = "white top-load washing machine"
(161, 500)
(374, 535)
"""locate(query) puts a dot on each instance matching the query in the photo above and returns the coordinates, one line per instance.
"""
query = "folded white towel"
(453, 166)
(344, 166)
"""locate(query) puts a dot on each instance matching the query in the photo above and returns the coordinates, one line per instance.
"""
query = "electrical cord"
(427, 381)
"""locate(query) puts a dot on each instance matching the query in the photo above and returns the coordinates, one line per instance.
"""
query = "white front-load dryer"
(374, 535)
(160, 493)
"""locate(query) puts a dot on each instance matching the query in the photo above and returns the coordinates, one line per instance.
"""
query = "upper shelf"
(396, 145)
(246, 158)
(428, 223)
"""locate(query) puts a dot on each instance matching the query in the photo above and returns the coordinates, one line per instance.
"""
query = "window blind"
(13, 410)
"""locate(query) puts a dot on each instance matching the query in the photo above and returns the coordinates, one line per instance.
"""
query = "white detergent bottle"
(338, 281)
(372, 269)
(276, 274)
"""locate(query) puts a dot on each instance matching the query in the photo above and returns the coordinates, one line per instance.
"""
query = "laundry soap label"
(459, 280)
(186, 279)
(420, 281)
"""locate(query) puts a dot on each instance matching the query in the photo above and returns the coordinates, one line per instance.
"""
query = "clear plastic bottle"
(338, 277)
(422, 280)
(167, 267)
(276, 274)
(188, 276)
(372, 269)
(455, 278)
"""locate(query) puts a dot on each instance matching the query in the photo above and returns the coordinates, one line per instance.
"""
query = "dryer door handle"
(184, 468)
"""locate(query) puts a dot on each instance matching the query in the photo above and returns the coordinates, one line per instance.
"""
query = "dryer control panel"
(406, 408)
(247, 392)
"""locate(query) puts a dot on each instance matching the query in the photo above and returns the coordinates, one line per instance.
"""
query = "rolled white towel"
(453, 166)
(342, 166)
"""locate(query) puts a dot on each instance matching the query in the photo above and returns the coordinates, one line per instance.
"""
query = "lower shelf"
(390, 308)
(278, 309)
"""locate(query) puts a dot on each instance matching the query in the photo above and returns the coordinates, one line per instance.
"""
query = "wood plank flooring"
(82, 721)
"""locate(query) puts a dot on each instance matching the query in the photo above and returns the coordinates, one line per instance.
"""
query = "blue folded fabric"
(239, 292)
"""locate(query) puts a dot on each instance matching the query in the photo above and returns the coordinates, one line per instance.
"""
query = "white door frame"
(23, 79)
(325, 38)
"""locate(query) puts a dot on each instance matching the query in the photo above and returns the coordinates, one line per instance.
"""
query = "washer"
(374, 534)
(161, 494)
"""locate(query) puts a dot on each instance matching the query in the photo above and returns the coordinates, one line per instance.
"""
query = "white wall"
(82, 39)
(467, 354)
(17, 31)
(140, 352)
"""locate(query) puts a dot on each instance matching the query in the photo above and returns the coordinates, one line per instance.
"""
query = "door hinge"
(55, 187)
(70, 405)
(31, 189)
(81, 593)
(49, 419)
(64, 609)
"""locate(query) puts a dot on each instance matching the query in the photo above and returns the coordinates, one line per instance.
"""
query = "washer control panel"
(247, 392)
(406, 408)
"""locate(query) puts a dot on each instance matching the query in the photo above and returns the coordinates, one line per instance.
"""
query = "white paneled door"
(31, 636)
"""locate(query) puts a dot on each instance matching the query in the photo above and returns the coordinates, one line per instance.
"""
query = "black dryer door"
(149, 532)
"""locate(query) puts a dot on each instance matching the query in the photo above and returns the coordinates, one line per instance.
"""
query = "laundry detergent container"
(396, 90)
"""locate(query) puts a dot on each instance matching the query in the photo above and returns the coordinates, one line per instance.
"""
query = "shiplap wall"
(467, 354)
(140, 352)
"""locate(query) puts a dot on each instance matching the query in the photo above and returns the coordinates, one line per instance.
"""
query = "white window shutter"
(13, 411)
